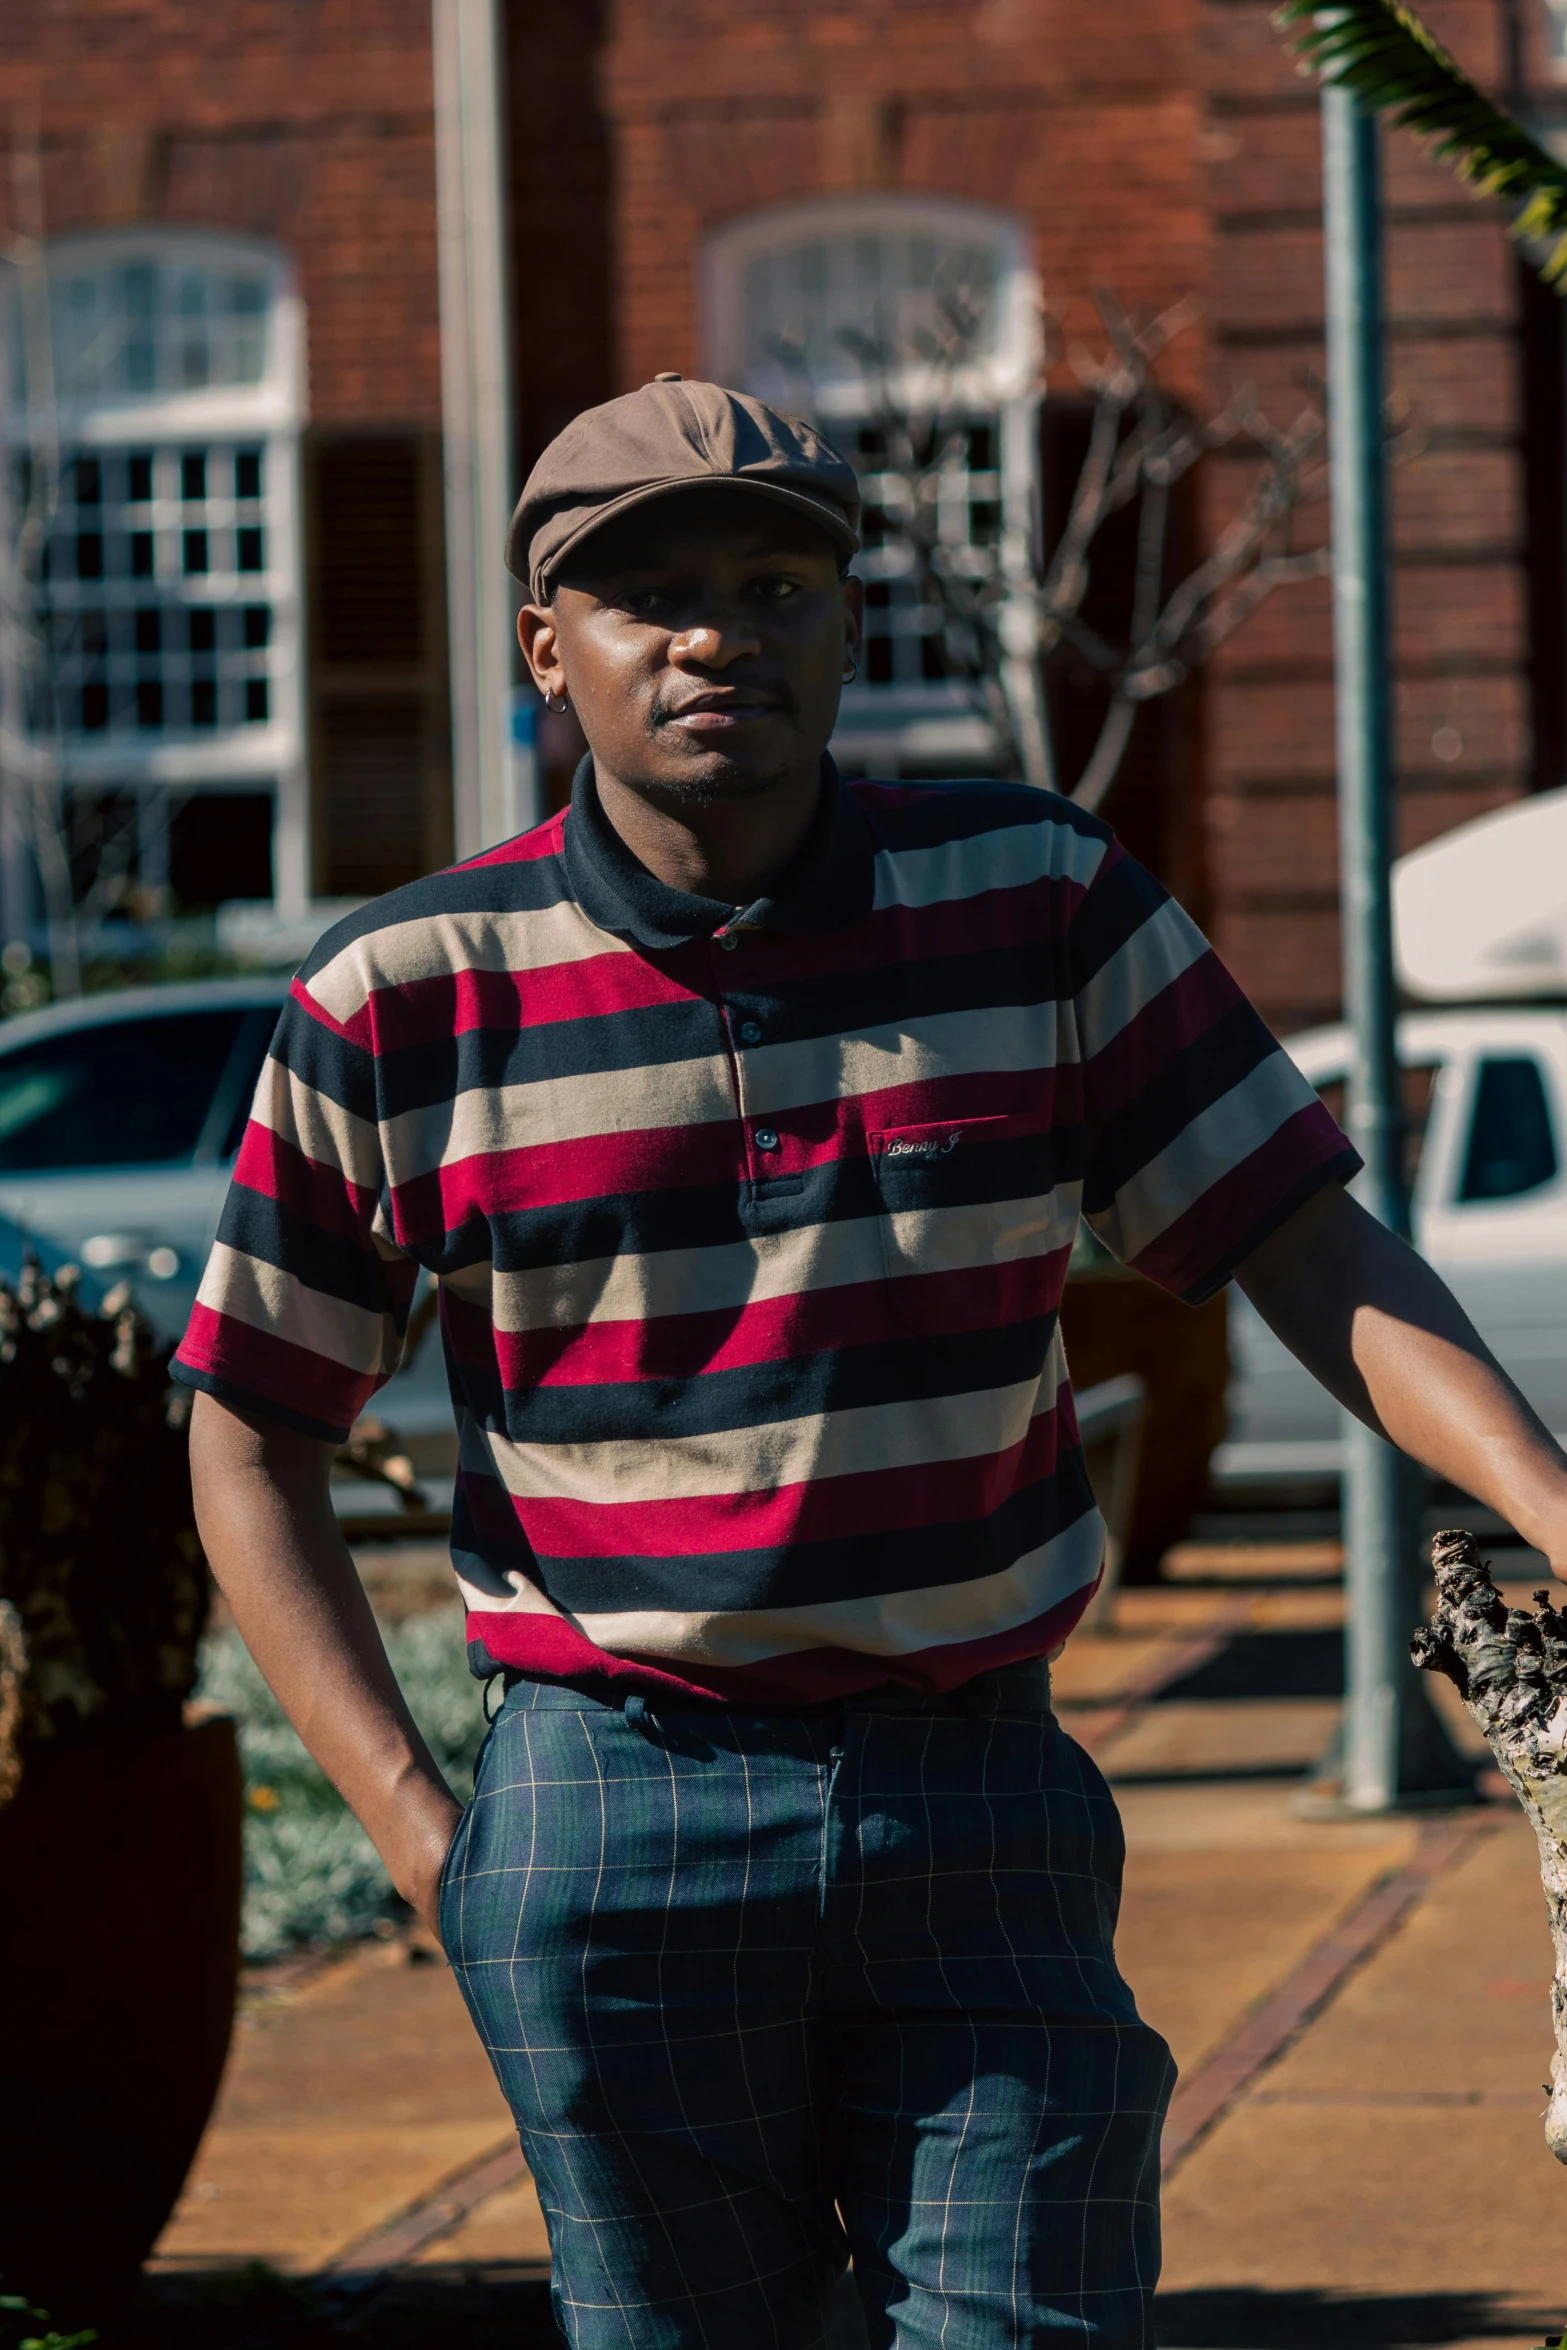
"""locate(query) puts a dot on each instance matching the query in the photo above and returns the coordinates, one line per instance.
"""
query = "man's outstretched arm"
(271, 1534)
(1386, 1336)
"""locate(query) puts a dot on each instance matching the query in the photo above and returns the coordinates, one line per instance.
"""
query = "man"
(745, 1117)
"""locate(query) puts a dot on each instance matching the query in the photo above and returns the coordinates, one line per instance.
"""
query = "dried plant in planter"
(102, 1581)
(1510, 1668)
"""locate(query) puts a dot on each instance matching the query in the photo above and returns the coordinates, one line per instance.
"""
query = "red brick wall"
(306, 121)
(1460, 585)
(1084, 120)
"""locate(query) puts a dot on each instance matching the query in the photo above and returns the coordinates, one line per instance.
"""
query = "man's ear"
(540, 642)
(853, 615)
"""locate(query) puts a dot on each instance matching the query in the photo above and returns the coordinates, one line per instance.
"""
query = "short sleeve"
(1200, 1135)
(304, 1301)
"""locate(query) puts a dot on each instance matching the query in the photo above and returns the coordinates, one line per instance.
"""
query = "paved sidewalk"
(1359, 2009)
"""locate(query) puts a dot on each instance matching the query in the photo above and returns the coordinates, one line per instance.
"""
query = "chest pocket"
(958, 1195)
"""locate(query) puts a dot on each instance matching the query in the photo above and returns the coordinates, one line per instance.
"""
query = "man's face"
(702, 643)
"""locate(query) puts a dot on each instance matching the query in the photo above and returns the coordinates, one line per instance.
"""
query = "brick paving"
(1359, 2008)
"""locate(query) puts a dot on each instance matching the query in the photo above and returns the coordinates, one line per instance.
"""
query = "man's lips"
(715, 713)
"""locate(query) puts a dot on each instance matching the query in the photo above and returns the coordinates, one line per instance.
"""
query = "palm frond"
(1381, 51)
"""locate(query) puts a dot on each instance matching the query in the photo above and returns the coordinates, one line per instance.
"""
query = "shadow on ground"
(1306, 1663)
(493, 2308)
(1248, 2318)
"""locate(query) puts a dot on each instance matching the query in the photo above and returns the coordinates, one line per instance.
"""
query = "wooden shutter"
(380, 746)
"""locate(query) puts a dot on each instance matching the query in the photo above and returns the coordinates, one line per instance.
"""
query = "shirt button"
(750, 1032)
(766, 1139)
(728, 940)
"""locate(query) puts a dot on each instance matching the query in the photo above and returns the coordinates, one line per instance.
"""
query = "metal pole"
(1392, 1743)
(476, 410)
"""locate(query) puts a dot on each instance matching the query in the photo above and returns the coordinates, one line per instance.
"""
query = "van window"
(1419, 1082)
(1512, 1147)
(129, 1093)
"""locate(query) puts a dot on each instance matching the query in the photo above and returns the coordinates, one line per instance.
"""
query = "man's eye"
(777, 588)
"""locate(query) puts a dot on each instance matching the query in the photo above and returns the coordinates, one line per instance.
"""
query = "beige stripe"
(775, 1454)
(1167, 944)
(994, 1040)
(896, 1623)
(1007, 859)
(734, 1274)
(264, 1298)
(560, 1109)
(318, 1126)
(701, 1092)
(1215, 1143)
(431, 944)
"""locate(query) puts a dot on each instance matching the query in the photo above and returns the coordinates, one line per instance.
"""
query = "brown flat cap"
(673, 435)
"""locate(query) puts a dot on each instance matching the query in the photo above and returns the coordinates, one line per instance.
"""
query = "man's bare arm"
(267, 1522)
(1384, 1334)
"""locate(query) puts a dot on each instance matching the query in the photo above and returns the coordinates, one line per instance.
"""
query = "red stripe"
(320, 1195)
(1216, 1229)
(543, 841)
(275, 1368)
(350, 1034)
(813, 1321)
(1176, 1019)
(678, 1157)
(866, 1501)
(547, 1648)
(452, 1003)
(493, 1183)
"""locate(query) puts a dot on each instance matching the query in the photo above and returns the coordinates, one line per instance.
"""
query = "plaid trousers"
(767, 1991)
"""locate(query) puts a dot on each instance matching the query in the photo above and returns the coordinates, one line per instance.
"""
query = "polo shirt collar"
(828, 883)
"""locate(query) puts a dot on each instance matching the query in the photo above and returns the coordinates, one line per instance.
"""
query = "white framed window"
(1554, 13)
(843, 308)
(151, 512)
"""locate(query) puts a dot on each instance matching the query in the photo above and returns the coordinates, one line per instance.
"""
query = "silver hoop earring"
(557, 703)
(851, 671)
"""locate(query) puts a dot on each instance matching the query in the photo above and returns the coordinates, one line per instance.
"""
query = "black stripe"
(1166, 1105)
(528, 887)
(345, 1073)
(713, 1215)
(1114, 909)
(325, 1261)
(889, 1370)
(241, 1399)
(968, 808)
(920, 1558)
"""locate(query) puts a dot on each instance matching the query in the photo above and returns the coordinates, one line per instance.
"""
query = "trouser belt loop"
(636, 1712)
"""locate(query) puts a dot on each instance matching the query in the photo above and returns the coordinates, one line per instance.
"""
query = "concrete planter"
(120, 1871)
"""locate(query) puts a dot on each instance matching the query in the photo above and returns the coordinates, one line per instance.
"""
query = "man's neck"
(724, 849)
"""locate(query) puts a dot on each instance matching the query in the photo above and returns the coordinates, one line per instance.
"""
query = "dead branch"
(1510, 1668)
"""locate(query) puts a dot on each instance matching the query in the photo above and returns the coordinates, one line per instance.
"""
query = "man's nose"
(715, 643)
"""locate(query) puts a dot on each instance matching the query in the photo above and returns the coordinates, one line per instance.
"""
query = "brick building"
(238, 207)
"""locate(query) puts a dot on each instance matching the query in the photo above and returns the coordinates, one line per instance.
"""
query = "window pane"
(131, 1093)
(193, 474)
(1512, 1148)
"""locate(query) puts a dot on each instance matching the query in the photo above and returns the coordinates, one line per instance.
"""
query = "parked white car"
(1486, 1095)
(120, 1116)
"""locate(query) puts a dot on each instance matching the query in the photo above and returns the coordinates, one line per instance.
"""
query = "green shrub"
(311, 1873)
(19, 2323)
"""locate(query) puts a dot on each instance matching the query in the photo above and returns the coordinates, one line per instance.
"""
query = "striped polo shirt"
(750, 1224)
